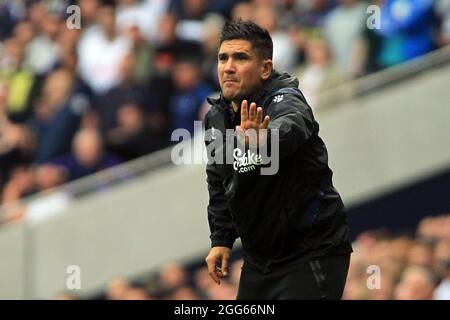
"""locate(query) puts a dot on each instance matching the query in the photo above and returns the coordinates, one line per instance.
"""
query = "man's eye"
(222, 58)
(241, 57)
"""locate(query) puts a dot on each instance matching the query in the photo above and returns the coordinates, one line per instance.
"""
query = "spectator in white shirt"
(101, 49)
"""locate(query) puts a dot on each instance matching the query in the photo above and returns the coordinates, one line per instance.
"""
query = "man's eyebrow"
(235, 53)
(240, 53)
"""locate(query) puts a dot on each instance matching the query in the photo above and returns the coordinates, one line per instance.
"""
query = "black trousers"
(321, 278)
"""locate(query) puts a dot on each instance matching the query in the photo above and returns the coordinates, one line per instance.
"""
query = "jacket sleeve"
(294, 121)
(219, 216)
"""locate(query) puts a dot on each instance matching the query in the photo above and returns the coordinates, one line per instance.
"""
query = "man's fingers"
(252, 112)
(265, 123)
(259, 115)
(244, 111)
(211, 264)
(224, 267)
(215, 277)
(240, 132)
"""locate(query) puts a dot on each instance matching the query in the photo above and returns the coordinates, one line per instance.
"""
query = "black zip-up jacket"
(293, 215)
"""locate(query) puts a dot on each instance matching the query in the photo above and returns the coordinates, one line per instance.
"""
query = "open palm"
(252, 119)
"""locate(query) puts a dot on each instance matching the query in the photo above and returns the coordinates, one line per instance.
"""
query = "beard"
(236, 95)
(232, 96)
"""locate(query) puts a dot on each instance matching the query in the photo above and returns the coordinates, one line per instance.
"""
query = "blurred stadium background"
(86, 177)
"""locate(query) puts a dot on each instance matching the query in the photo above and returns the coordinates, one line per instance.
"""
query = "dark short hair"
(250, 31)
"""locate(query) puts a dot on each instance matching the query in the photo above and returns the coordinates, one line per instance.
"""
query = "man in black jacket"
(292, 224)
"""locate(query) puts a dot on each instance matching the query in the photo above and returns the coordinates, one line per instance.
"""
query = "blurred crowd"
(412, 267)
(383, 266)
(77, 99)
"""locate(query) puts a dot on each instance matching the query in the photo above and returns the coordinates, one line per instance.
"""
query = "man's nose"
(230, 66)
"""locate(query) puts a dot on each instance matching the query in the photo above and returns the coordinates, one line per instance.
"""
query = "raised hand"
(252, 119)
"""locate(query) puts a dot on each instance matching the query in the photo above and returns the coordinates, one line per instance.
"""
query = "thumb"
(240, 134)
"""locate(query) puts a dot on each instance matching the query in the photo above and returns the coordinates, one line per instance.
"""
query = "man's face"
(240, 70)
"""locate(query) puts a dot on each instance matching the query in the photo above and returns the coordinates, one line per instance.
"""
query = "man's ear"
(267, 66)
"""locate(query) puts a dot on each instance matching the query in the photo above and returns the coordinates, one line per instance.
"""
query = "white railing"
(383, 78)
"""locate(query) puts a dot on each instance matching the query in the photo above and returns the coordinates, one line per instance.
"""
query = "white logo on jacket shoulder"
(278, 98)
